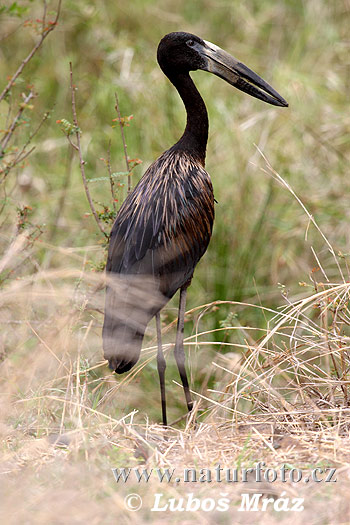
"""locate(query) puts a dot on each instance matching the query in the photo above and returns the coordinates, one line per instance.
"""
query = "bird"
(164, 225)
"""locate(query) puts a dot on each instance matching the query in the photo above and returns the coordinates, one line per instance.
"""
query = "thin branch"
(23, 154)
(10, 131)
(78, 148)
(110, 175)
(19, 157)
(5, 171)
(44, 34)
(44, 17)
(74, 146)
(124, 142)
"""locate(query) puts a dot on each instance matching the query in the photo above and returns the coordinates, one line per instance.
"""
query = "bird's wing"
(160, 233)
(163, 228)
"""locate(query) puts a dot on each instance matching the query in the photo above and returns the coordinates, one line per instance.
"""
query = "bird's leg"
(161, 365)
(179, 346)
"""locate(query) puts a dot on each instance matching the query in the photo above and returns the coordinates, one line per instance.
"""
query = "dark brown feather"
(162, 230)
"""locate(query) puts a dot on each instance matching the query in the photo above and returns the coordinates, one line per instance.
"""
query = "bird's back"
(161, 231)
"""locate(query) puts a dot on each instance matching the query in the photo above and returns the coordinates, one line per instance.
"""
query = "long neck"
(195, 136)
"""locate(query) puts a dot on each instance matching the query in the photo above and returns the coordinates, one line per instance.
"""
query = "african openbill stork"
(164, 225)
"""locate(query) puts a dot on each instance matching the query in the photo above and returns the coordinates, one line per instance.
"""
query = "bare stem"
(78, 148)
(46, 31)
(23, 154)
(124, 142)
(12, 128)
(110, 175)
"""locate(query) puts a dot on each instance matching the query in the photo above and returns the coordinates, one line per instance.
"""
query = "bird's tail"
(131, 302)
(121, 344)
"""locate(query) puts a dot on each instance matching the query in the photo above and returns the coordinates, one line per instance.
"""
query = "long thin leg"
(161, 365)
(179, 346)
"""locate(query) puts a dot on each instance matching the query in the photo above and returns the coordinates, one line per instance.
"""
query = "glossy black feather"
(167, 219)
(162, 230)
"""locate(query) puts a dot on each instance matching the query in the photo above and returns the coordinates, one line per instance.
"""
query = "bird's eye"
(190, 43)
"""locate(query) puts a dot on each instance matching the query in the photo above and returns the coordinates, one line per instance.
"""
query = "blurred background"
(265, 250)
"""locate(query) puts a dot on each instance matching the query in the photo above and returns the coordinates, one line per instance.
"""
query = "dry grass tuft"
(279, 395)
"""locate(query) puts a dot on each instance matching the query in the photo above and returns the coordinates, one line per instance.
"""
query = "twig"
(44, 17)
(44, 34)
(77, 146)
(110, 175)
(18, 159)
(24, 154)
(124, 142)
(74, 146)
(12, 128)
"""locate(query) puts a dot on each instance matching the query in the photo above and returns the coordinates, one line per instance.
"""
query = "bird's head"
(183, 52)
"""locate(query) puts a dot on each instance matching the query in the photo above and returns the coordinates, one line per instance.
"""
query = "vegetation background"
(267, 323)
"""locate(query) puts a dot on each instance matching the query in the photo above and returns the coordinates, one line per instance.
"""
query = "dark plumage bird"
(164, 226)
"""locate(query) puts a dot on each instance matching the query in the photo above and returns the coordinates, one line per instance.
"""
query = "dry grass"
(280, 395)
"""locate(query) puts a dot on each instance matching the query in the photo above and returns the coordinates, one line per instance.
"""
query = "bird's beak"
(237, 74)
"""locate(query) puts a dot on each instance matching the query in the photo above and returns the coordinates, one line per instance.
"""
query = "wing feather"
(164, 226)
(161, 231)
